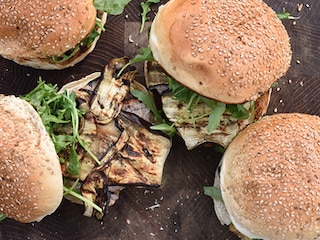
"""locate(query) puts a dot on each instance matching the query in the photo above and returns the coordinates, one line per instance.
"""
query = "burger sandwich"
(269, 179)
(52, 34)
(31, 179)
(218, 61)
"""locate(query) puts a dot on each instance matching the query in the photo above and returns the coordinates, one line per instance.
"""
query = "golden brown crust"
(31, 180)
(36, 29)
(270, 178)
(230, 51)
(48, 64)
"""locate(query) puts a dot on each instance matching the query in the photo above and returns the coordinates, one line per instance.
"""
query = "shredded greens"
(58, 111)
(145, 10)
(87, 42)
(148, 100)
(113, 7)
(71, 191)
(192, 99)
(2, 217)
(213, 192)
(284, 15)
(145, 55)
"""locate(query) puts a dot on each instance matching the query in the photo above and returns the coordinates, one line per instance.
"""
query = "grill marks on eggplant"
(117, 127)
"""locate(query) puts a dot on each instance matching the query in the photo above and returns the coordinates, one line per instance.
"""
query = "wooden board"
(178, 209)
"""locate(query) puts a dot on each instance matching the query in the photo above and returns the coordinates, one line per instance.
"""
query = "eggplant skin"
(117, 126)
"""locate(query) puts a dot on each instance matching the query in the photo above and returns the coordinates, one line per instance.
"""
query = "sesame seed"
(30, 28)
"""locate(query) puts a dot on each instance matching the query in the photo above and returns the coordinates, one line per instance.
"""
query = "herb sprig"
(2, 217)
(213, 192)
(71, 191)
(284, 15)
(113, 7)
(87, 42)
(145, 10)
(58, 110)
(192, 99)
(144, 55)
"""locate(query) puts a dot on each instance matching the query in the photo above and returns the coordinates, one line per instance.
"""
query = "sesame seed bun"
(33, 31)
(230, 51)
(269, 178)
(31, 180)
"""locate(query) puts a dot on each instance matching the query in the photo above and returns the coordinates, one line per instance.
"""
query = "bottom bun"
(31, 184)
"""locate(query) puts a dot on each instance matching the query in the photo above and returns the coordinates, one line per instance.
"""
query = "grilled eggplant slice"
(117, 126)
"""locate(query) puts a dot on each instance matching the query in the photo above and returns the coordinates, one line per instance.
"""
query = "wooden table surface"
(178, 209)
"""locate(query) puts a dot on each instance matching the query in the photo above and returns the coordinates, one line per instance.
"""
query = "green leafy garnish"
(192, 99)
(2, 217)
(58, 112)
(147, 99)
(145, 10)
(215, 116)
(145, 55)
(94, 34)
(284, 15)
(77, 195)
(213, 192)
(87, 42)
(180, 92)
(165, 127)
(67, 55)
(238, 111)
(113, 7)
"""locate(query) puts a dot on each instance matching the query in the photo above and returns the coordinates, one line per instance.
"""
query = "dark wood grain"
(184, 212)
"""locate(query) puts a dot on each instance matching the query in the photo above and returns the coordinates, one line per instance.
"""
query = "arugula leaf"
(238, 111)
(213, 192)
(2, 217)
(77, 195)
(74, 166)
(215, 116)
(66, 56)
(147, 99)
(179, 91)
(145, 55)
(145, 10)
(183, 94)
(87, 42)
(284, 15)
(113, 7)
(170, 130)
(58, 110)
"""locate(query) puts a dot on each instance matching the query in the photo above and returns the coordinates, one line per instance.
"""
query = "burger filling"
(196, 118)
(85, 44)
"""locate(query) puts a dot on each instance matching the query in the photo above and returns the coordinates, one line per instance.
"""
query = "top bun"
(230, 51)
(31, 184)
(270, 178)
(40, 29)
